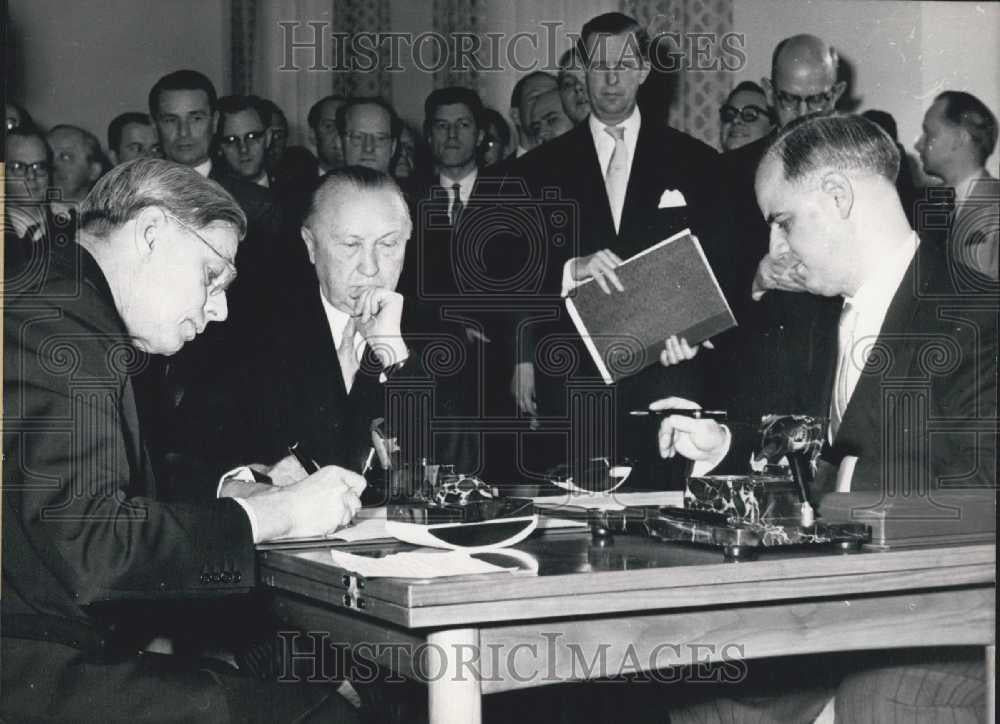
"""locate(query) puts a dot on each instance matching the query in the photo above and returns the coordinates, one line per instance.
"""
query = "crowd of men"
(394, 281)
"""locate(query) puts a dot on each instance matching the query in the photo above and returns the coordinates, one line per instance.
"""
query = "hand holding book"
(601, 267)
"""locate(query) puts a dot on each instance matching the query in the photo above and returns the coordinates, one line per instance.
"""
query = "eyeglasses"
(253, 137)
(217, 284)
(20, 170)
(358, 138)
(815, 102)
(749, 113)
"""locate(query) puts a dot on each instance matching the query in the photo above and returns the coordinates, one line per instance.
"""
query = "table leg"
(991, 683)
(454, 689)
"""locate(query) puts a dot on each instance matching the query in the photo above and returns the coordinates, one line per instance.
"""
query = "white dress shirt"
(204, 168)
(870, 303)
(337, 320)
(604, 144)
(465, 186)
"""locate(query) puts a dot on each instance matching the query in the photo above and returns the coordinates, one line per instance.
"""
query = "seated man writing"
(89, 551)
(910, 374)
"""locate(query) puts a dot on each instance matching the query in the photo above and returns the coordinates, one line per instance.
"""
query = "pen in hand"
(696, 413)
(307, 463)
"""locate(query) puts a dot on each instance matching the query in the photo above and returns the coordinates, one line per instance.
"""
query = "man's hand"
(777, 272)
(522, 387)
(286, 471)
(677, 350)
(317, 505)
(693, 439)
(378, 315)
(600, 265)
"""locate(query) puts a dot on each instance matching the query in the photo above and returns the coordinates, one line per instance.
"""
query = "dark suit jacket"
(84, 533)
(975, 229)
(569, 194)
(289, 388)
(923, 415)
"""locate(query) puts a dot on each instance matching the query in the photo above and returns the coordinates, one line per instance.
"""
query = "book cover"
(669, 289)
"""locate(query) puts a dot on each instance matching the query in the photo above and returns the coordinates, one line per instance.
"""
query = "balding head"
(356, 233)
(803, 78)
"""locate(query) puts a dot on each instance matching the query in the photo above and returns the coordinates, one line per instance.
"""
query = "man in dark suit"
(93, 561)
(184, 108)
(632, 181)
(909, 373)
(959, 134)
(468, 268)
(341, 351)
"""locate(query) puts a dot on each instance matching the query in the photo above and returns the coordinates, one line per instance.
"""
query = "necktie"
(616, 178)
(456, 204)
(841, 388)
(347, 354)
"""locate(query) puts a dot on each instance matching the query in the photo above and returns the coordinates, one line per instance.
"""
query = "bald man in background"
(777, 328)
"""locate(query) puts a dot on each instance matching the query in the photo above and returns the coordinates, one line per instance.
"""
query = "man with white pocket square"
(633, 181)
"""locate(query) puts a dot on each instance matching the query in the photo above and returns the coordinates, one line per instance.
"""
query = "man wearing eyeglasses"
(775, 326)
(26, 179)
(244, 137)
(369, 130)
(95, 563)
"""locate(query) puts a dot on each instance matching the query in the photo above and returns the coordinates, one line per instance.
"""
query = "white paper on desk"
(415, 564)
(612, 500)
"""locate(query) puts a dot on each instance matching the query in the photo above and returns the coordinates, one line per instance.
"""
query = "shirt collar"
(464, 184)
(630, 124)
(337, 320)
(878, 289)
(963, 189)
(204, 168)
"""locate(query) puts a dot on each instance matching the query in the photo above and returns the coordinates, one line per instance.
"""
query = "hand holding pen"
(689, 430)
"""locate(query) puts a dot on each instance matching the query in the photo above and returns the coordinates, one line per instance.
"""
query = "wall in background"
(902, 53)
(86, 62)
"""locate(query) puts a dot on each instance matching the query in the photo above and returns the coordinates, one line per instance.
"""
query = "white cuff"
(245, 475)
(568, 282)
(704, 467)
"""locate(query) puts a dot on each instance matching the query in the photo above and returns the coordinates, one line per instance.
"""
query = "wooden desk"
(634, 605)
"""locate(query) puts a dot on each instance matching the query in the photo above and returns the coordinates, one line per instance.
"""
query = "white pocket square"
(671, 198)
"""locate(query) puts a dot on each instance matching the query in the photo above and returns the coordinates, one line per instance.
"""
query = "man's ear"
(113, 156)
(839, 188)
(312, 139)
(392, 148)
(268, 135)
(215, 122)
(765, 83)
(96, 169)
(149, 225)
(479, 138)
(310, 241)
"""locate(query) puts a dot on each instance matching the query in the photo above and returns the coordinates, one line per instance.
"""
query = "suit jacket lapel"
(864, 408)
